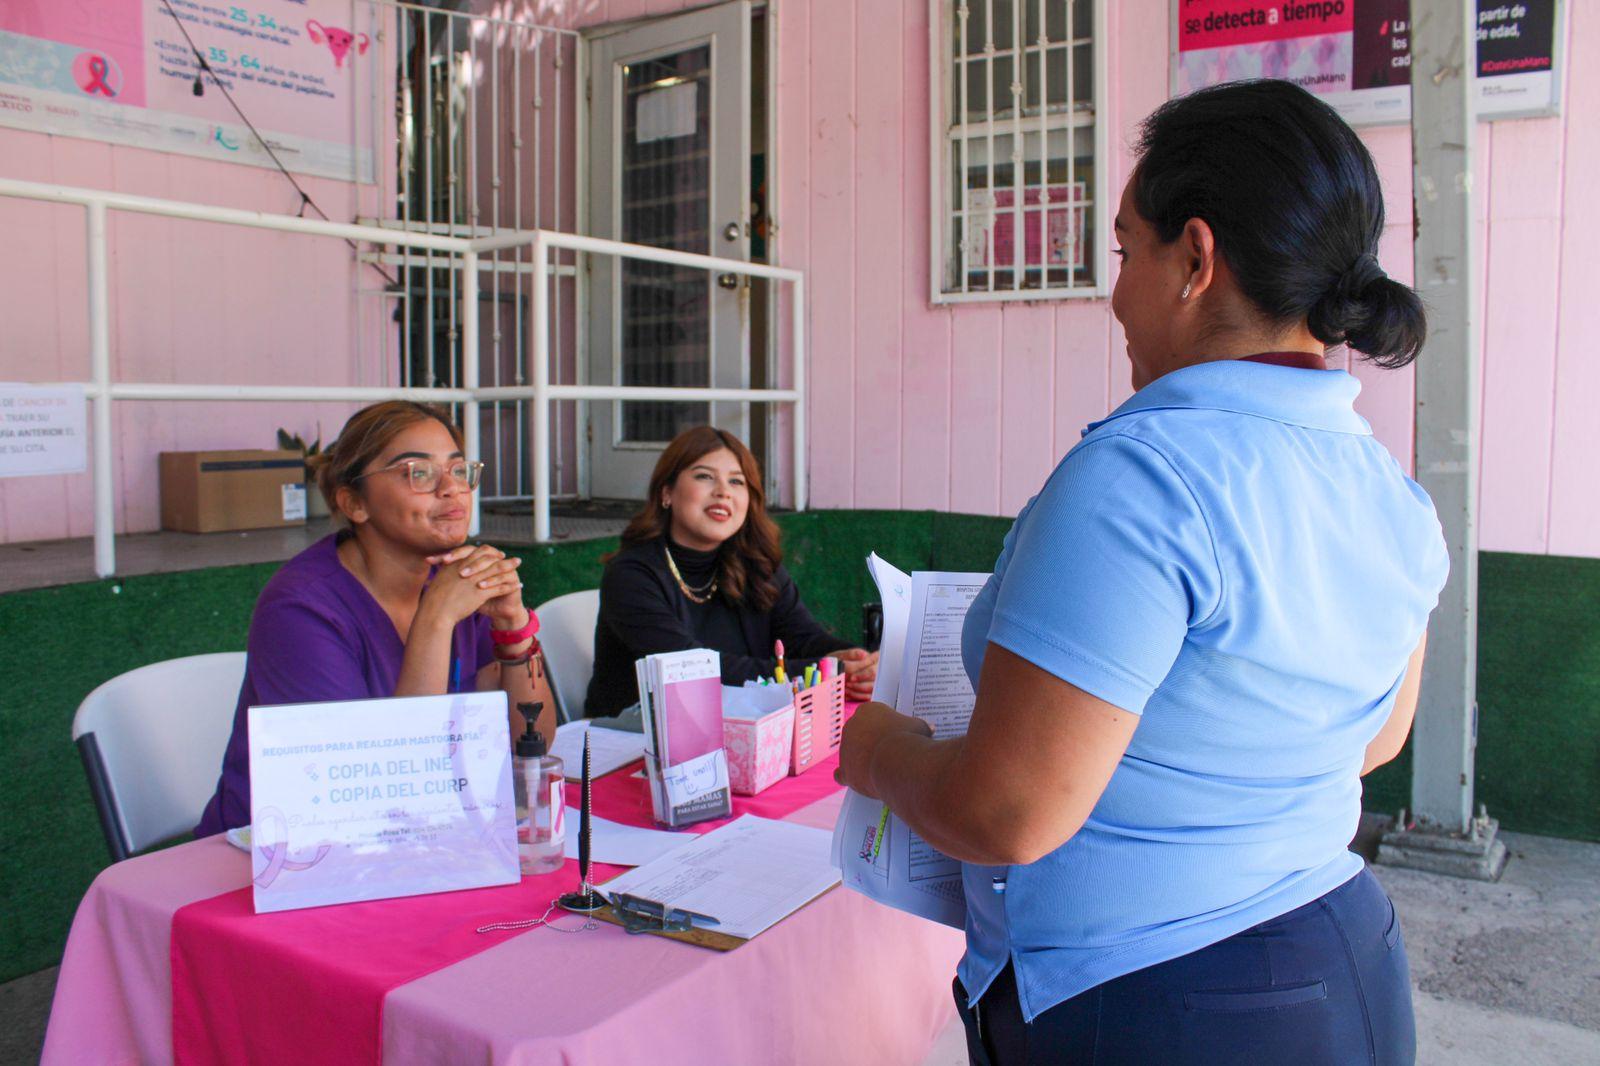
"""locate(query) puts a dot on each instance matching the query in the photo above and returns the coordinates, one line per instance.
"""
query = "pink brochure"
(690, 700)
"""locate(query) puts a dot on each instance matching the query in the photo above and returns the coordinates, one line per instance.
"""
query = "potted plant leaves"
(316, 507)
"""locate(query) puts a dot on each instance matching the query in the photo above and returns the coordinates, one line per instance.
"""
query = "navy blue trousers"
(1326, 983)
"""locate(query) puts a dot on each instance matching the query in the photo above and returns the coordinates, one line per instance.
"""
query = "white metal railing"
(465, 258)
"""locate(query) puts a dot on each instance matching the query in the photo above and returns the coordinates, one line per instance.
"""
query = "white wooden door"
(669, 144)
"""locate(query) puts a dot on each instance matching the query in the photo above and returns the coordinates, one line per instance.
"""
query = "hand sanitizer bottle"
(537, 784)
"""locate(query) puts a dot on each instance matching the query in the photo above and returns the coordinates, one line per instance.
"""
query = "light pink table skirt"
(842, 981)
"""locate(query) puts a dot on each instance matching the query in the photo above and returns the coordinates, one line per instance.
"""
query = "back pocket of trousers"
(1256, 999)
(1391, 934)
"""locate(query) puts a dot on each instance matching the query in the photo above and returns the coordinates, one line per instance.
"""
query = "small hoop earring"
(1184, 295)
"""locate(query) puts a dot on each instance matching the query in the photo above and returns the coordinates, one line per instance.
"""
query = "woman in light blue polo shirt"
(1202, 631)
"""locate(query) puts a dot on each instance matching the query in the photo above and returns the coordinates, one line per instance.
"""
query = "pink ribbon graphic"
(276, 851)
(98, 69)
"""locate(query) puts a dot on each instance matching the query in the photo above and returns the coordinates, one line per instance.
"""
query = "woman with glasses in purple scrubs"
(392, 604)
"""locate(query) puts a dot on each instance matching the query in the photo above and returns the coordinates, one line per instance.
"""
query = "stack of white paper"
(623, 845)
(920, 673)
(749, 875)
(609, 749)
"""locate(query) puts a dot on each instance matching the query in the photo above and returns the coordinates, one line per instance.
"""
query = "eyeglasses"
(424, 475)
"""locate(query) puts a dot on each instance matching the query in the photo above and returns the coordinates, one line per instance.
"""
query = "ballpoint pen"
(586, 899)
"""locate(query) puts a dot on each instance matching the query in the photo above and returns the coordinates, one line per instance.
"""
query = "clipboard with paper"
(919, 673)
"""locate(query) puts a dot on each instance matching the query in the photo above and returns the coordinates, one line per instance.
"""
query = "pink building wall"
(967, 407)
(191, 302)
(913, 406)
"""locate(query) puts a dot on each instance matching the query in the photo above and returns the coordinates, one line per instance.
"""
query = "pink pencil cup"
(818, 723)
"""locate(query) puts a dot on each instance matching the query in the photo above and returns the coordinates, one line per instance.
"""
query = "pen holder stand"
(818, 724)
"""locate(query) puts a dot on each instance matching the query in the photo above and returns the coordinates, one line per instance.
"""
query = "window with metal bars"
(1019, 147)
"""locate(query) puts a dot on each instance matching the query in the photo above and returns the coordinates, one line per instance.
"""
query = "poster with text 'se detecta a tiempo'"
(1356, 54)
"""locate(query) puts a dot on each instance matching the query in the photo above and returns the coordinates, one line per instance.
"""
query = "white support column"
(541, 387)
(105, 519)
(802, 471)
(1446, 837)
(469, 373)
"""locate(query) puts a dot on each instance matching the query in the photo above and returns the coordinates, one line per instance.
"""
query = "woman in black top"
(700, 567)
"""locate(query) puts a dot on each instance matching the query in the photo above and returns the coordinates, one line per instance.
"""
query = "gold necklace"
(694, 595)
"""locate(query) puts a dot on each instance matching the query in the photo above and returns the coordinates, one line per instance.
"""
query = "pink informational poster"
(1353, 52)
(1059, 243)
(303, 72)
(1357, 53)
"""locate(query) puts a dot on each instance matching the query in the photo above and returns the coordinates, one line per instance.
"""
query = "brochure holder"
(687, 793)
(687, 768)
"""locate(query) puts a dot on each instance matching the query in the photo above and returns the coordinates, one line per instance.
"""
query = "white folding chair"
(566, 632)
(152, 741)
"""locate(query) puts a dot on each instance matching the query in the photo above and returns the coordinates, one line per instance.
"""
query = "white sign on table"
(372, 799)
(43, 430)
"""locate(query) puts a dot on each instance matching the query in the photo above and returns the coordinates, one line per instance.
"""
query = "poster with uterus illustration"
(304, 73)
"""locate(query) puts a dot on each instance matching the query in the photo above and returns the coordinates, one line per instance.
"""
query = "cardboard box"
(209, 492)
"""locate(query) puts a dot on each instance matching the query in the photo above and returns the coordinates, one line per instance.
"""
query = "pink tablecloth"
(842, 981)
(237, 975)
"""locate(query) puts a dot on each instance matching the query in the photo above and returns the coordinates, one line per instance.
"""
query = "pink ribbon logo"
(98, 69)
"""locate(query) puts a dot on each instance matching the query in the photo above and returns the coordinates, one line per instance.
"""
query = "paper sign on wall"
(993, 218)
(1356, 54)
(43, 430)
(304, 71)
(371, 799)
(667, 113)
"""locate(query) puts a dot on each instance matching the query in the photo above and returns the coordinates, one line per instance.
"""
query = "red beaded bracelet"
(527, 656)
(516, 636)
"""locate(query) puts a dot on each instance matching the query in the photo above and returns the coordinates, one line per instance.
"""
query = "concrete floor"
(1504, 973)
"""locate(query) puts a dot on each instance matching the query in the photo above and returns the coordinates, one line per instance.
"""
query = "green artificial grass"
(1539, 693)
(60, 643)
(827, 555)
(1539, 683)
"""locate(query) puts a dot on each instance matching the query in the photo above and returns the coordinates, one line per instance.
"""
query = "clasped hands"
(478, 579)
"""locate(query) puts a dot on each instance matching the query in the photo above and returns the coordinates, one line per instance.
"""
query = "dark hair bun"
(1394, 326)
(1294, 201)
(1372, 313)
